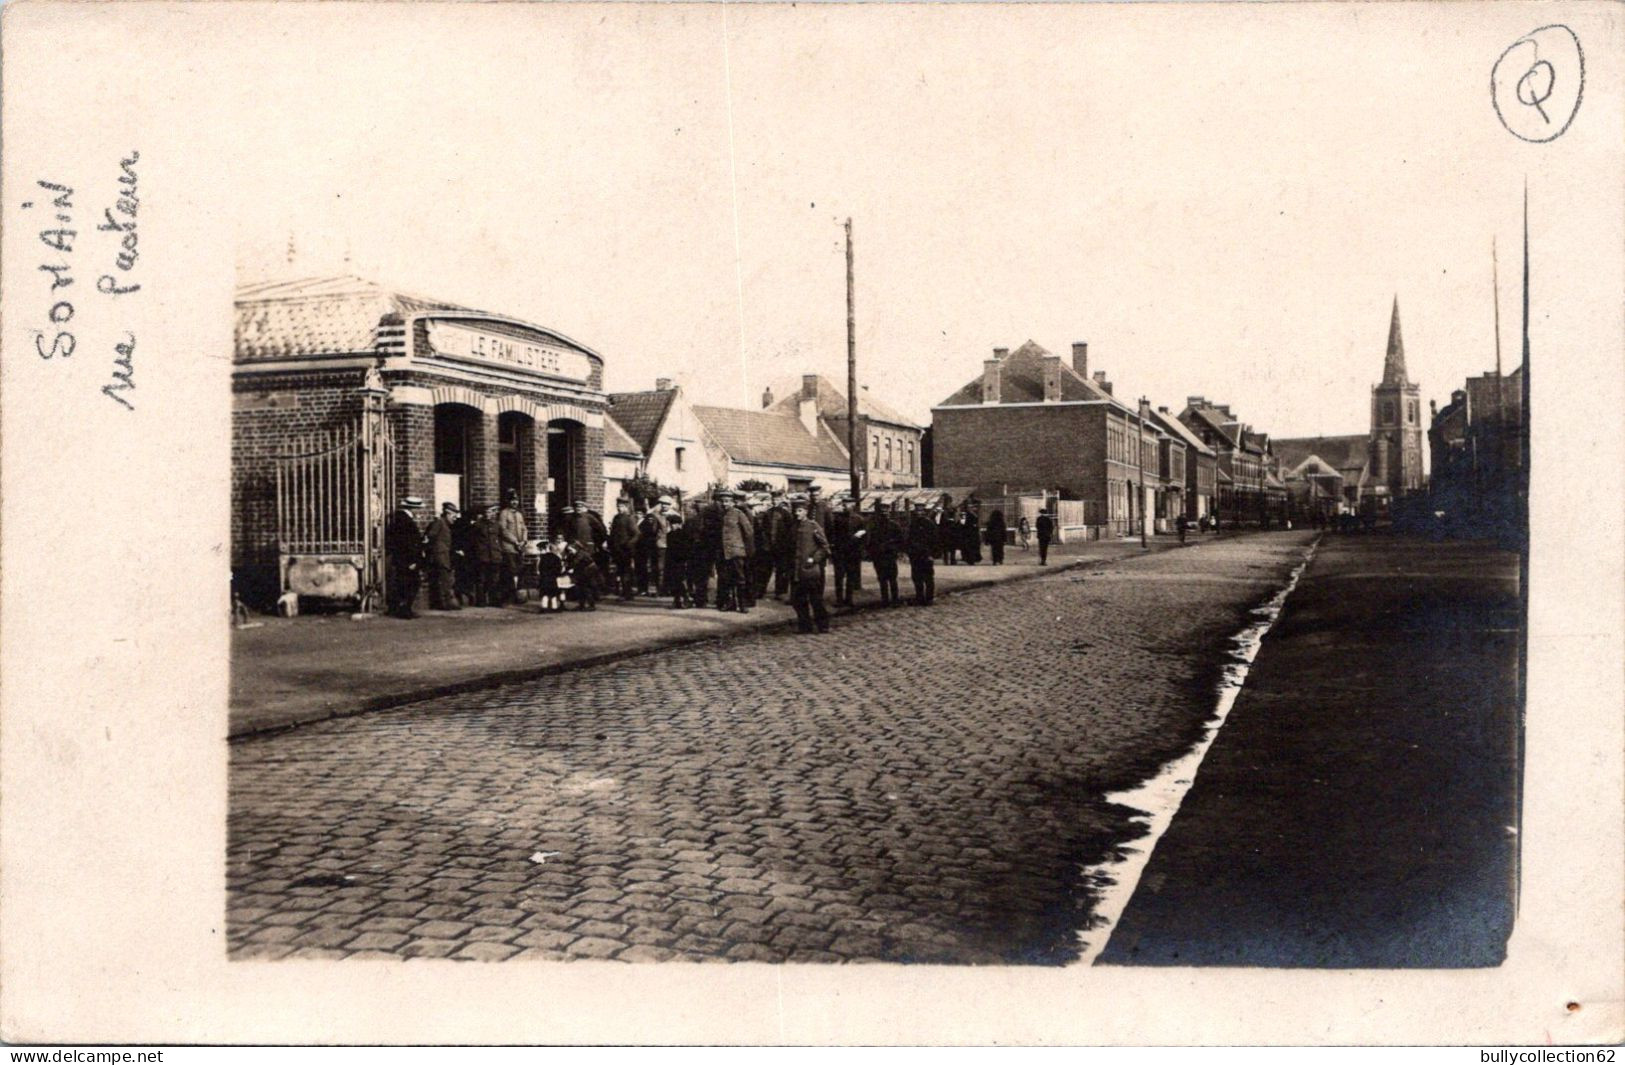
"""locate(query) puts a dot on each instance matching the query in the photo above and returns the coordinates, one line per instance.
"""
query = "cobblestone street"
(919, 785)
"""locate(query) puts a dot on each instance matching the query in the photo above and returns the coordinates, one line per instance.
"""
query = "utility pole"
(1139, 444)
(851, 376)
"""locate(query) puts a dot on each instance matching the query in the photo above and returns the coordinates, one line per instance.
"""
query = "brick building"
(1477, 442)
(1032, 423)
(1241, 456)
(889, 443)
(1200, 475)
(471, 406)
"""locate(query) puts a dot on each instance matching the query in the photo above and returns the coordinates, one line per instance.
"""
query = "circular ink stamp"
(1537, 83)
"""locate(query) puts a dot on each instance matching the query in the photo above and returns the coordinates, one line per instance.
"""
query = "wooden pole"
(851, 376)
(1139, 446)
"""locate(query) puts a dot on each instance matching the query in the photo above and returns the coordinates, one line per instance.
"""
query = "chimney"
(662, 384)
(767, 398)
(999, 353)
(1052, 378)
(990, 379)
(1080, 358)
(1224, 409)
(809, 386)
(1163, 410)
(1196, 401)
(1100, 380)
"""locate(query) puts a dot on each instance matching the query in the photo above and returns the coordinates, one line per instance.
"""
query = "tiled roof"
(1214, 420)
(769, 438)
(319, 316)
(1339, 452)
(617, 442)
(642, 414)
(832, 404)
(1021, 380)
(1181, 430)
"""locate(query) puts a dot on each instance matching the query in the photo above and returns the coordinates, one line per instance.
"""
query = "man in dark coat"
(700, 556)
(846, 536)
(1046, 533)
(817, 509)
(761, 560)
(995, 537)
(970, 537)
(488, 557)
(807, 591)
(589, 529)
(678, 537)
(738, 544)
(885, 541)
(463, 563)
(438, 537)
(623, 546)
(514, 533)
(782, 540)
(651, 546)
(403, 558)
(923, 530)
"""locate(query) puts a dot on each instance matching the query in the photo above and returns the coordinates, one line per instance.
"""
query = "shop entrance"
(456, 433)
(563, 483)
(516, 462)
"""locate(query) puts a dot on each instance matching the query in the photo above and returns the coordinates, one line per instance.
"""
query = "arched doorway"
(566, 467)
(516, 457)
(457, 446)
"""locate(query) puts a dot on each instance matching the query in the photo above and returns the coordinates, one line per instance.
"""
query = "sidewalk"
(1359, 807)
(289, 671)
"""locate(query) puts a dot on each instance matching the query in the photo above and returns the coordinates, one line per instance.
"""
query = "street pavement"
(1359, 807)
(287, 671)
(918, 785)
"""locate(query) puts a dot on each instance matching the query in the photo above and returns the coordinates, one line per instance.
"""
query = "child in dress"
(549, 568)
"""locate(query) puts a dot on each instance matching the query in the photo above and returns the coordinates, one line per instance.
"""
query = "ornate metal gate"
(334, 490)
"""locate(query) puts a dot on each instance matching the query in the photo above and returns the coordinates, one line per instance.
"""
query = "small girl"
(549, 568)
(584, 573)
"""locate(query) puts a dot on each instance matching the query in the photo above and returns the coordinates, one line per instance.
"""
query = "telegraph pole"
(1139, 445)
(851, 377)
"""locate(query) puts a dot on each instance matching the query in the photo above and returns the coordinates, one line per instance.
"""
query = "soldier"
(846, 536)
(442, 595)
(817, 509)
(738, 544)
(710, 539)
(514, 534)
(588, 529)
(623, 545)
(761, 559)
(463, 533)
(403, 557)
(781, 537)
(812, 550)
(700, 554)
(1046, 533)
(676, 561)
(922, 554)
(488, 557)
(885, 541)
(651, 545)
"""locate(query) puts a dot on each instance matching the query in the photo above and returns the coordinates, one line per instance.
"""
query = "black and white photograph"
(838, 523)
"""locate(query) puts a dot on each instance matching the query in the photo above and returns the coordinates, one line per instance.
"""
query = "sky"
(1220, 201)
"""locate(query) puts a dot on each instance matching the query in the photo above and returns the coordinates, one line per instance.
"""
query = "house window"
(678, 455)
(888, 452)
(874, 445)
(910, 467)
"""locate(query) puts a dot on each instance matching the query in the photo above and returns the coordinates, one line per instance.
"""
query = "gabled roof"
(1341, 453)
(1179, 429)
(642, 414)
(617, 442)
(769, 438)
(1215, 421)
(832, 404)
(1021, 380)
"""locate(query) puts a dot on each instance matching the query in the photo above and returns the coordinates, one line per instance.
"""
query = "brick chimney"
(1101, 382)
(809, 386)
(1080, 358)
(1052, 378)
(767, 398)
(999, 353)
(1196, 401)
(662, 384)
(990, 377)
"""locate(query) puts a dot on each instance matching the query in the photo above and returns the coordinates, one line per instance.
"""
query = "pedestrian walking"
(1180, 524)
(923, 530)
(885, 541)
(995, 537)
(970, 537)
(514, 533)
(947, 530)
(1046, 533)
(812, 550)
(550, 576)
(1024, 533)
(623, 546)
(678, 537)
(738, 543)
(846, 535)
(403, 558)
(442, 580)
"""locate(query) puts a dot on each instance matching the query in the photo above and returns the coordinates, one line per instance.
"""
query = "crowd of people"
(752, 544)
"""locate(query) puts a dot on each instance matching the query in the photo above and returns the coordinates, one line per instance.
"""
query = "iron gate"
(334, 489)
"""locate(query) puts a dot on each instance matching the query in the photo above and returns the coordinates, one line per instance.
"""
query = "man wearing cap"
(442, 595)
(623, 545)
(817, 509)
(922, 554)
(781, 526)
(513, 533)
(590, 532)
(1046, 533)
(488, 557)
(403, 557)
(464, 566)
(807, 589)
(738, 544)
(651, 545)
(885, 541)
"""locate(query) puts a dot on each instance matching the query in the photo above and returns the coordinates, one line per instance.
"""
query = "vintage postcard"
(833, 523)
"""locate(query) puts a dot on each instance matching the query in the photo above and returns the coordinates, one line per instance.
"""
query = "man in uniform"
(590, 531)
(403, 558)
(442, 593)
(781, 540)
(1046, 533)
(817, 509)
(678, 536)
(885, 541)
(623, 546)
(922, 555)
(761, 559)
(710, 544)
(846, 536)
(514, 533)
(807, 588)
(699, 553)
(738, 543)
(462, 558)
(488, 557)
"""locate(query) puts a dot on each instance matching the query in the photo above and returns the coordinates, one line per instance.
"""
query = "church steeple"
(1393, 367)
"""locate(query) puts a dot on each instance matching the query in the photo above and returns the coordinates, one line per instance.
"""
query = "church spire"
(1393, 367)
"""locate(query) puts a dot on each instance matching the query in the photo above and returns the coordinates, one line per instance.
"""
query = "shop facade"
(349, 396)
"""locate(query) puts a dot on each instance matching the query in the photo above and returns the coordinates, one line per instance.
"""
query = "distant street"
(921, 784)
